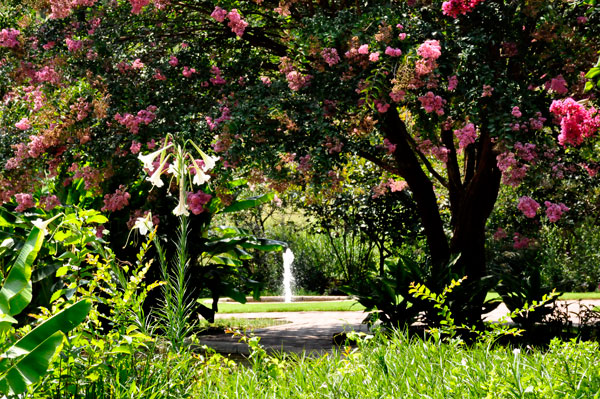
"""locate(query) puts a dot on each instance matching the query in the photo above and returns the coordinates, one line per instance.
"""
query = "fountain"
(288, 278)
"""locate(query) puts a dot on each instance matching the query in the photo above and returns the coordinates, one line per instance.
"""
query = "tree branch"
(378, 161)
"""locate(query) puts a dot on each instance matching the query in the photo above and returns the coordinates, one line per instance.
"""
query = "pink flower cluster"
(24, 201)
(521, 242)
(225, 116)
(236, 23)
(8, 38)
(23, 124)
(117, 201)
(500, 234)
(430, 49)
(47, 74)
(333, 145)
(138, 5)
(576, 122)
(143, 117)
(330, 55)
(397, 95)
(513, 172)
(554, 211)
(187, 72)
(432, 103)
(467, 135)
(528, 206)
(452, 83)
(526, 151)
(196, 201)
(381, 106)
(49, 202)
(516, 112)
(73, 45)
(454, 8)
(397, 185)
(393, 52)
(82, 108)
(487, 91)
(217, 79)
(389, 146)
(557, 84)
(296, 80)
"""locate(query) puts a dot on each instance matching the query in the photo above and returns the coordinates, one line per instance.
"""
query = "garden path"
(313, 331)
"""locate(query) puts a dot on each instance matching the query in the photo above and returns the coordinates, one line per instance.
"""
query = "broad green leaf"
(16, 291)
(64, 321)
(264, 244)
(100, 219)
(249, 203)
(592, 73)
(30, 368)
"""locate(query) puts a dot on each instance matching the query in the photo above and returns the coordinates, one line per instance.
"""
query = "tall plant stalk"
(177, 304)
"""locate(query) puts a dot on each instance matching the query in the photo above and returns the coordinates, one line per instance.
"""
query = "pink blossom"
(487, 91)
(49, 202)
(440, 153)
(452, 83)
(582, 20)
(393, 52)
(219, 14)
(117, 201)
(173, 61)
(536, 123)
(73, 45)
(430, 49)
(389, 146)
(454, 8)
(397, 95)
(135, 147)
(374, 57)
(397, 185)
(187, 72)
(576, 122)
(159, 76)
(143, 117)
(296, 81)
(432, 103)
(557, 84)
(555, 211)
(500, 234)
(138, 5)
(49, 45)
(37, 146)
(380, 189)
(520, 241)
(364, 49)
(467, 135)
(402, 36)
(528, 206)
(381, 106)
(8, 38)
(516, 112)
(23, 124)
(526, 151)
(47, 74)
(330, 55)
(196, 201)
(137, 64)
(25, 202)
(217, 79)
(236, 23)
(265, 80)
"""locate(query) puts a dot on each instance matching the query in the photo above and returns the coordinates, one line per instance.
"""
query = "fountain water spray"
(288, 278)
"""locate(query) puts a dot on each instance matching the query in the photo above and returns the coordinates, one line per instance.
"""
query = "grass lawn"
(341, 306)
(256, 307)
(241, 323)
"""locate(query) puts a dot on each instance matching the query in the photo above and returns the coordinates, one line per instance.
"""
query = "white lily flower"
(43, 224)
(200, 178)
(144, 225)
(181, 208)
(209, 162)
(148, 159)
(155, 177)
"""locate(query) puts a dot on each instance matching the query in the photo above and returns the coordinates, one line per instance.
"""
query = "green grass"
(341, 306)
(257, 307)
(242, 323)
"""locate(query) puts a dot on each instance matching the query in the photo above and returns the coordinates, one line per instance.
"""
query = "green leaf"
(100, 219)
(64, 321)
(30, 368)
(589, 86)
(592, 73)
(16, 291)
(249, 203)
(264, 244)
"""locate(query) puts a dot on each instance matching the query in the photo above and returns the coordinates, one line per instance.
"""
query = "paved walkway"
(313, 332)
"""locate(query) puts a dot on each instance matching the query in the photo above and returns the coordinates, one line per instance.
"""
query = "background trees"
(445, 99)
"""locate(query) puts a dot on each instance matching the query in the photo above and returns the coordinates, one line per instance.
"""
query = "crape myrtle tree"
(448, 99)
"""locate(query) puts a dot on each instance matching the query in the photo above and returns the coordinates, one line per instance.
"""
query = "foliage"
(25, 361)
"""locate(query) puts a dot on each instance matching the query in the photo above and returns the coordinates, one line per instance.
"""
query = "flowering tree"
(448, 99)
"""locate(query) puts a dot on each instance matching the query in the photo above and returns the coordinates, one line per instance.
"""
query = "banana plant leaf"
(30, 368)
(249, 203)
